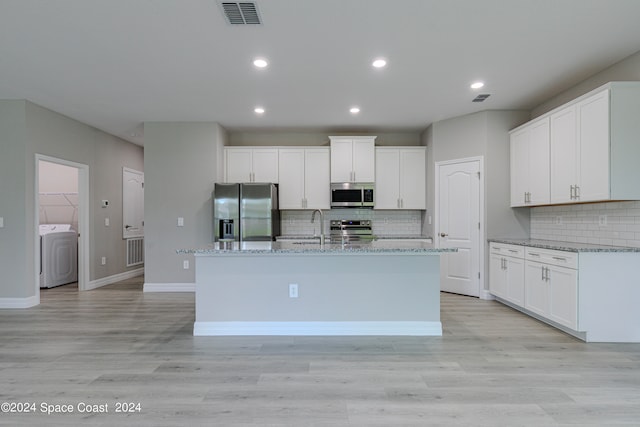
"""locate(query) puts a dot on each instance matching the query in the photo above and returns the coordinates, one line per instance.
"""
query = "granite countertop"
(565, 246)
(314, 247)
(376, 237)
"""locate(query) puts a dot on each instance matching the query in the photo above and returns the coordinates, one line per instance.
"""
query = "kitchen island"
(305, 288)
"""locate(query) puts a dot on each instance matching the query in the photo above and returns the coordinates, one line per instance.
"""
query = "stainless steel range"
(350, 230)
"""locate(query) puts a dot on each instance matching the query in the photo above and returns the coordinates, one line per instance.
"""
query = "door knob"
(443, 234)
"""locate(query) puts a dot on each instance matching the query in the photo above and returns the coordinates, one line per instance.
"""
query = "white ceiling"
(115, 64)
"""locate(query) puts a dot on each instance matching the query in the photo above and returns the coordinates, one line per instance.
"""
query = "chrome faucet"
(313, 217)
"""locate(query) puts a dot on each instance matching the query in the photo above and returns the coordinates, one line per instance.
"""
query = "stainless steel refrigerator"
(245, 212)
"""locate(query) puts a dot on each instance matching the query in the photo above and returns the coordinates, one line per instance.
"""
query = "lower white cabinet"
(551, 284)
(506, 272)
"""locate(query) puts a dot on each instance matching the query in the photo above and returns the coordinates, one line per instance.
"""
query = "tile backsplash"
(393, 223)
(611, 223)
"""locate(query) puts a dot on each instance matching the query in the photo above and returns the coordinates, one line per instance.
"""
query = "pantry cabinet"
(400, 177)
(506, 272)
(304, 178)
(251, 164)
(352, 158)
(529, 149)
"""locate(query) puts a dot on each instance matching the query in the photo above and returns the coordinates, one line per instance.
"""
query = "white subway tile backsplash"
(394, 223)
(581, 223)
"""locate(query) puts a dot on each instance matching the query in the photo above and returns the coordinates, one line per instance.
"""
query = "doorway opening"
(61, 223)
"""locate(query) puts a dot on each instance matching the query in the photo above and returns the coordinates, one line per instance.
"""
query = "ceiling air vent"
(481, 98)
(241, 13)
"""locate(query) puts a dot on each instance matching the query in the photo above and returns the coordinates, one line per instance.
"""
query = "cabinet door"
(387, 191)
(538, 163)
(341, 160)
(564, 153)
(497, 283)
(514, 280)
(316, 178)
(412, 178)
(519, 156)
(291, 173)
(563, 296)
(364, 160)
(536, 288)
(238, 165)
(593, 134)
(265, 165)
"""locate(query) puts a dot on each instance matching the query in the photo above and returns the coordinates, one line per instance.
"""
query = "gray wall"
(182, 163)
(261, 138)
(27, 129)
(480, 134)
(13, 237)
(626, 70)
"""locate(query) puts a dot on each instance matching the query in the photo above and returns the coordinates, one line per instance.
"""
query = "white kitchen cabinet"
(590, 294)
(400, 178)
(529, 149)
(304, 178)
(251, 164)
(506, 272)
(352, 158)
(551, 285)
(593, 141)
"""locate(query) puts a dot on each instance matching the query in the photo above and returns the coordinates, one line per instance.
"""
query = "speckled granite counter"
(314, 247)
(565, 246)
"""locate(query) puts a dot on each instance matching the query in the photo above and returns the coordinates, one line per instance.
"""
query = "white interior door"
(132, 203)
(458, 226)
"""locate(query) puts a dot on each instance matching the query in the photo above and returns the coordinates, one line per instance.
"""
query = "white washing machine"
(58, 255)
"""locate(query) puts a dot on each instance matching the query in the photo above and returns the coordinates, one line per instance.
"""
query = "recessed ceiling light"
(260, 62)
(379, 63)
(354, 110)
(259, 110)
(477, 85)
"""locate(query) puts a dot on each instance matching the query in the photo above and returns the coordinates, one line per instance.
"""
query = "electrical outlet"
(180, 221)
(293, 290)
(185, 264)
(103, 261)
(558, 220)
(602, 220)
(1, 222)
(106, 222)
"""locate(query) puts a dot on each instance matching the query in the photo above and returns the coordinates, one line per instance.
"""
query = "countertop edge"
(563, 246)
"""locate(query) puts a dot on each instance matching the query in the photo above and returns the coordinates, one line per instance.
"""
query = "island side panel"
(397, 294)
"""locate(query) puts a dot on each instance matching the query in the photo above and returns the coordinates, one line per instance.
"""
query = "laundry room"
(58, 219)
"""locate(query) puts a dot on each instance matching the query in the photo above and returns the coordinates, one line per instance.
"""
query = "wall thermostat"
(105, 203)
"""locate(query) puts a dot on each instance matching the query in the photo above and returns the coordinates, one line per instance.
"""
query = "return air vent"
(241, 13)
(481, 98)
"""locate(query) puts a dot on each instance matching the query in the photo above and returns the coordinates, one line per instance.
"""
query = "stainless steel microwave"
(352, 195)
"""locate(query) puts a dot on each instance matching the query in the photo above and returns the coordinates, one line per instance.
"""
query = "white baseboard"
(317, 328)
(94, 284)
(169, 287)
(20, 302)
(485, 294)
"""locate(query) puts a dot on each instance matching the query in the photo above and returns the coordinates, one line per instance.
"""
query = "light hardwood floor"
(493, 367)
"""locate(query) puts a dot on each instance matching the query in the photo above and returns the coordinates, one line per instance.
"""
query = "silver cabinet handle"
(559, 258)
(513, 251)
(542, 270)
(547, 274)
(577, 191)
(533, 254)
(572, 193)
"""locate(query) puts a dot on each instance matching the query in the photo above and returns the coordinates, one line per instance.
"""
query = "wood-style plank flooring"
(493, 367)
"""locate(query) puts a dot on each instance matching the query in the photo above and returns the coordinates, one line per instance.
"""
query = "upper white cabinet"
(529, 147)
(580, 143)
(352, 158)
(400, 177)
(251, 164)
(304, 178)
(583, 151)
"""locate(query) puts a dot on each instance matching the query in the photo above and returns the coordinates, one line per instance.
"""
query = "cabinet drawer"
(505, 249)
(551, 257)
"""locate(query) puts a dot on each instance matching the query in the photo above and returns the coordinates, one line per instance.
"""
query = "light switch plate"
(106, 222)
